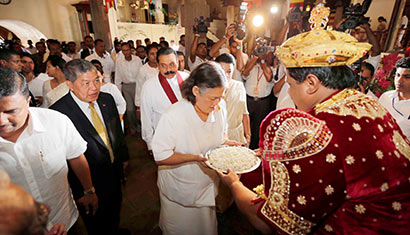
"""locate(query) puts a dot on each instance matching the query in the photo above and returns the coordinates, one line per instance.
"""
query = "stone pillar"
(192, 9)
(395, 24)
(100, 22)
(159, 15)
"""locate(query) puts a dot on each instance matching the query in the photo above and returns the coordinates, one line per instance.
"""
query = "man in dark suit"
(89, 42)
(95, 116)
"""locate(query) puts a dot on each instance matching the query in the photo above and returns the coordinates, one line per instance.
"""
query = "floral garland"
(384, 77)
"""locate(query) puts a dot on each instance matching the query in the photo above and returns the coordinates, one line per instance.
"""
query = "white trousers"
(176, 219)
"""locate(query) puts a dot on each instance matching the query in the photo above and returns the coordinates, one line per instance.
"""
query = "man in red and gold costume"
(340, 163)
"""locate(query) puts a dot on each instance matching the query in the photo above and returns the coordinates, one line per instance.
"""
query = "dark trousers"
(258, 110)
(107, 218)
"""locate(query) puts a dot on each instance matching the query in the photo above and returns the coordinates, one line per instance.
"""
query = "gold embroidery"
(330, 158)
(396, 206)
(301, 199)
(356, 127)
(350, 159)
(329, 190)
(401, 144)
(360, 209)
(379, 154)
(350, 102)
(397, 154)
(275, 208)
(350, 139)
(384, 187)
(297, 135)
(296, 168)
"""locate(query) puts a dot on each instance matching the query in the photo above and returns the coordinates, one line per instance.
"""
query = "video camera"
(203, 24)
(355, 15)
(239, 26)
(262, 48)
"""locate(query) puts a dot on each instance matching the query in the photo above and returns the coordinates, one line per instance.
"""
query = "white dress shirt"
(197, 62)
(264, 88)
(127, 71)
(154, 102)
(116, 94)
(284, 99)
(37, 161)
(146, 72)
(107, 63)
(36, 85)
(85, 107)
(399, 109)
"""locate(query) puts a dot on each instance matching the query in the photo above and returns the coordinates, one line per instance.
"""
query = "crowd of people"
(335, 158)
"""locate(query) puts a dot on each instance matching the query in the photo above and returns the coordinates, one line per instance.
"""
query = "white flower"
(330, 158)
(301, 199)
(296, 168)
(379, 154)
(356, 127)
(384, 187)
(328, 228)
(396, 206)
(349, 159)
(329, 190)
(360, 209)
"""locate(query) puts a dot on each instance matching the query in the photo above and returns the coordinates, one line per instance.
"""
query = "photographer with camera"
(199, 52)
(235, 49)
(258, 85)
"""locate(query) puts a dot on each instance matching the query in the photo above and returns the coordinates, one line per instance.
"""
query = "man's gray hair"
(77, 67)
(12, 82)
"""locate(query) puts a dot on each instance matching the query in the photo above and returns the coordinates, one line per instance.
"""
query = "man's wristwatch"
(90, 191)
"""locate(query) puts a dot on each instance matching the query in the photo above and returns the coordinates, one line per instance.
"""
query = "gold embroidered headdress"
(320, 47)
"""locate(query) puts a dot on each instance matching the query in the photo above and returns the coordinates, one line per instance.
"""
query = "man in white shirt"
(198, 53)
(181, 47)
(258, 85)
(105, 58)
(147, 71)
(35, 146)
(127, 68)
(397, 102)
(366, 76)
(158, 93)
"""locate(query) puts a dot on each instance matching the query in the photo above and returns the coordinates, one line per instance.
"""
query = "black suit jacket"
(105, 175)
(85, 53)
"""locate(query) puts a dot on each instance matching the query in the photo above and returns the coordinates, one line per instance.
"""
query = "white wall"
(380, 8)
(54, 18)
(133, 31)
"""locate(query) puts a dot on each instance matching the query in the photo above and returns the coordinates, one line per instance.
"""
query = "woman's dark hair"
(56, 61)
(206, 75)
(226, 58)
(337, 77)
(382, 18)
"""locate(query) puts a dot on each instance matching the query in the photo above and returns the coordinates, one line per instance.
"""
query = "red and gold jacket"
(343, 168)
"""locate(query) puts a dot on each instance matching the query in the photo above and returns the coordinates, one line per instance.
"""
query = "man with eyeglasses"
(397, 101)
(160, 92)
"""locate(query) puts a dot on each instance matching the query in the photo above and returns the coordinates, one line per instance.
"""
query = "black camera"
(203, 24)
(296, 14)
(262, 48)
(355, 15)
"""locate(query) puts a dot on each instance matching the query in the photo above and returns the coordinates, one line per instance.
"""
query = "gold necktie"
(102, 132)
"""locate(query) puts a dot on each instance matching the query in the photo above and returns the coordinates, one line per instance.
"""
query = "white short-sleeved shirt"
(264, 88)
(116, 94)
(180, 130)
(281, 74)
(107, 63)
(197, 61)
(127, 71)
(399, 109)
(146, 72)
(36, 85)
(38, 162)
(284, 99)
(154, 102)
